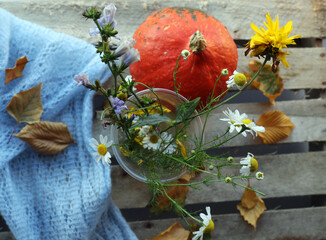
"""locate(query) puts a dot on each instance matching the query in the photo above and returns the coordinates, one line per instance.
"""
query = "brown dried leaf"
(46, 137)
(16, 71)
(26, 106)
(251, 207)
(174, 232)
(277, 126)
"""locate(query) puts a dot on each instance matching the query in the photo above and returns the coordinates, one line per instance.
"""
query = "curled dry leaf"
(251, 207)
(46, 137)
(268, 82)
(16, 71)
(277, 126)
(174, 232)
(177, 192)
(26, 106)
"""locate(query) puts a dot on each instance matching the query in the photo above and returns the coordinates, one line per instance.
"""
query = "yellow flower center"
(246, 121)
(253, 164)
(102, 149)
(210, 227)
(240, 79)
(153, 139)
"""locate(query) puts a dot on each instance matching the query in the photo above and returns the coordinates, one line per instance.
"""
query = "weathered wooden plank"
(295, 174)
(6, 236)
(65, 16)
(303, 224)
(308, 116)
(306, 70)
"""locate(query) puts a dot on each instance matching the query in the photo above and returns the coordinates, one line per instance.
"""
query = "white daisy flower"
(237, 79)
(249, 164)
(259, 175)
(208, 225)
(101, 149)
(144, 130)
(185, 54)
(152, 141)
(237, 121)
(167, 139)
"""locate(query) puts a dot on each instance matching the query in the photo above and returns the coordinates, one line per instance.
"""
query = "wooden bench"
(295, 179)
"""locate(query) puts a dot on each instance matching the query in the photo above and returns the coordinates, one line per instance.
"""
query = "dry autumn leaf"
(26, 106)
(174, 232)
(251, 207)
(46, 137)
(177, 192)
(268, 82)
(277, 126)
(16, 71)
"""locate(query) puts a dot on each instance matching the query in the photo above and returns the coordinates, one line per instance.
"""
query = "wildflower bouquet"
(157, 135)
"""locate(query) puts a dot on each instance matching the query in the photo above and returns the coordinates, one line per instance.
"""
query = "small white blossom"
(152, 141)
(129, 80)
(101, 149)
(225, 72)
(208, 225)
(185, 54)
(259, 175)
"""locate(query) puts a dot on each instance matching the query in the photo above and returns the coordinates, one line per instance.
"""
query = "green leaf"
(270, 83)
(185, 110)
(152, 119)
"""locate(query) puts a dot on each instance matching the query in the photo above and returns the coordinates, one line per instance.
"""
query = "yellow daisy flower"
(271, 41)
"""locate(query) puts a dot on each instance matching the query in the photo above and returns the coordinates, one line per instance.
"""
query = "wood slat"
(300, 224)
(295, 174)
(308, 116)
(65, 16)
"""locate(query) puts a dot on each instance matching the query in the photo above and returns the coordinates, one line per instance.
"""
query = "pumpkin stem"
(197, 42)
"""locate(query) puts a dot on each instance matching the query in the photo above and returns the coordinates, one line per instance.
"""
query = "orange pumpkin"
(162, 37)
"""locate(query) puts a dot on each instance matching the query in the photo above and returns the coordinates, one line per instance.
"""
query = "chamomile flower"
(239, 121)
(225, 72)
(259, 175)
(101, 149)
(237, 79)
(249, 164)
(208, 225)
(166, 146)
(152, 141)
(185, 54)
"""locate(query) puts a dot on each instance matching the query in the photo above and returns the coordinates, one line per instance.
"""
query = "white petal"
(98, 158)
(208, 210)
(95, 141)
(102, 139)
(93, 146)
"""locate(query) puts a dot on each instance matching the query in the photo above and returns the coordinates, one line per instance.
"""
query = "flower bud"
(230, 159)
(240, 79)
(225, 72)
(228, 180)
(259, 175)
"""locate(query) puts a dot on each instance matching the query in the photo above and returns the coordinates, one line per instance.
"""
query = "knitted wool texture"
(62, 196)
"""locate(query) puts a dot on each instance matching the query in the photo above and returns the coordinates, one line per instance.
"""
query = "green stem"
(256, 191)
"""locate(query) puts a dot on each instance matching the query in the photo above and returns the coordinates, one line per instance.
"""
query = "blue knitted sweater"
(62, 196)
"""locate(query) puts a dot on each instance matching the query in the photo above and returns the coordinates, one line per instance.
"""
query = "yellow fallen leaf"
(16, 71)
(174, 232)
(26, 106)
(277, 126)
(46, 137)
(268, 82)
(251, 207)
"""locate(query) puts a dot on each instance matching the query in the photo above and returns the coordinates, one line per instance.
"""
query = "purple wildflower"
(82, 79)
(107, 17)
(124, 47)
(131, 57)
(118, 105)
